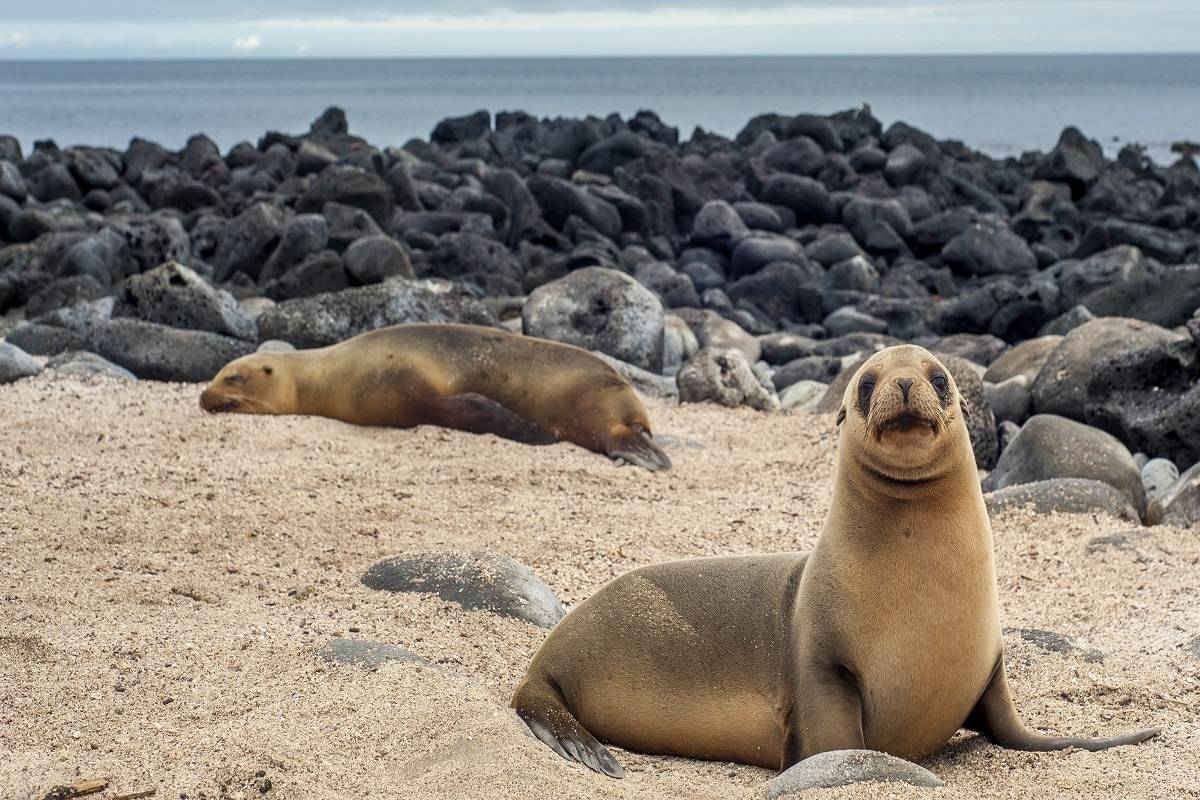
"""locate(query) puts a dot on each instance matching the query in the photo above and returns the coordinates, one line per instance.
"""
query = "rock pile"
(769, 263)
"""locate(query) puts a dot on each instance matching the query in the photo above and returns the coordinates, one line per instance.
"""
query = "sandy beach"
(167, 577)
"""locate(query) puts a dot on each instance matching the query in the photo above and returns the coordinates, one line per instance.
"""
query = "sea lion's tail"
(540, 704)
(635, 444)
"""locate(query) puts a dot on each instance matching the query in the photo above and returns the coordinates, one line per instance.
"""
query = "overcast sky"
(35, 29)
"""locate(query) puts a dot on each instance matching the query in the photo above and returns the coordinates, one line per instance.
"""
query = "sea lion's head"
(902, 418)
(255, 384)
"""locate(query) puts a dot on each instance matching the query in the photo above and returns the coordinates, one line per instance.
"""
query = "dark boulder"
(372, 259)
(989, 247)
(326, 319)
(1075, 161)
(808, 199)
(349, 186)
(1050, 446)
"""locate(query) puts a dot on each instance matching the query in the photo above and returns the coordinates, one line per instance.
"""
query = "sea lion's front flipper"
(540, 704)
(635, 445)
(475, 413)
(995, 716)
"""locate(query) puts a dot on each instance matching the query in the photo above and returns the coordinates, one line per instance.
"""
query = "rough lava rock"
(326, 319)
(176, 296)
(597, 308)
(725, 377)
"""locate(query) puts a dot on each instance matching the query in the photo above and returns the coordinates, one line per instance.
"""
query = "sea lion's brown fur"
(466, 377)
(886, 636)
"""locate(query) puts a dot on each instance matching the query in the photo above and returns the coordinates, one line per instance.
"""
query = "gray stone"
(160, 353)
(1061, 384)
(845, 767)
(477, 581)
(350, 186)
(45, 340)
(302, 236)
(981, 348)
(1006, 431)
(1009, 400)
(174, 295)
(15, 363)
(1179, 503)
(725, 377)
(1025, 359)
(802, 395)
(717, 333)
(372, 259)
(247, 240)
(365, 653)
(806, 368)
(679, 343)
(1067, 321)
(1157, 475)
(989, 247)
(82, 364)
(597, 308)
(1065, 495)
(850, 320)
(275, 346)
(325, 319)
(1050, 446)
(981, 422)
(644, 381)
(1053, 642)
(718, 224)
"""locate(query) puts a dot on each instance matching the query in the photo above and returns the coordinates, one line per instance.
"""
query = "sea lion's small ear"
(841, 415)
(962, 403)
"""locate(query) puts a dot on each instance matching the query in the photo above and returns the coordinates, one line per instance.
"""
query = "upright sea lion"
(886, 636)
(466, 377)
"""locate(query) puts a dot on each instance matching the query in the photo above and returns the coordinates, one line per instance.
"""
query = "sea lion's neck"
(876, 511)
(306, 374)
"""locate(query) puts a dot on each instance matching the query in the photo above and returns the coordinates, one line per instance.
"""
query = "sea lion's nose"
(905, 384)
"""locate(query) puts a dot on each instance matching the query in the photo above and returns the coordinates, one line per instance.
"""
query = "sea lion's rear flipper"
(635, 445)
(995, 716)
(475, 413)
(540, 704)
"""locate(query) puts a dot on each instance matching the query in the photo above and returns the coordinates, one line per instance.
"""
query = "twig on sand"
(77, 789)
(135, 795)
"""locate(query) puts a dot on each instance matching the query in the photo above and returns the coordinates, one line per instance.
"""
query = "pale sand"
(147, 634)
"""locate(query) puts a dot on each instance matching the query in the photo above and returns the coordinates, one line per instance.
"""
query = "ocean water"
(1002, 105)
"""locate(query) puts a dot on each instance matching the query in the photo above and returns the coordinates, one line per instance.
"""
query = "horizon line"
(613, 56)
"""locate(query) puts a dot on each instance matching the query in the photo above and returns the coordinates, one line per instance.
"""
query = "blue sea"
(1002, 105)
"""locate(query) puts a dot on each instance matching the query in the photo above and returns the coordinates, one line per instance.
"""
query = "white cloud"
(247, 44)
(653, 18)
(302, 49)
(14, 39)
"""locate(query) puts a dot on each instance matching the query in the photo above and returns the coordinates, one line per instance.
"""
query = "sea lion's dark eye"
(235, 379)
(268, 370)
(939, 383)
(865, 387)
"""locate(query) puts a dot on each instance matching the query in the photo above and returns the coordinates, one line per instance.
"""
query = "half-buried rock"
(477, 581)
(844, 767)
(1066, 495)
(365, 653)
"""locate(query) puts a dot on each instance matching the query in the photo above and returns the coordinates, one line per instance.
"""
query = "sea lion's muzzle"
(213, 403)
